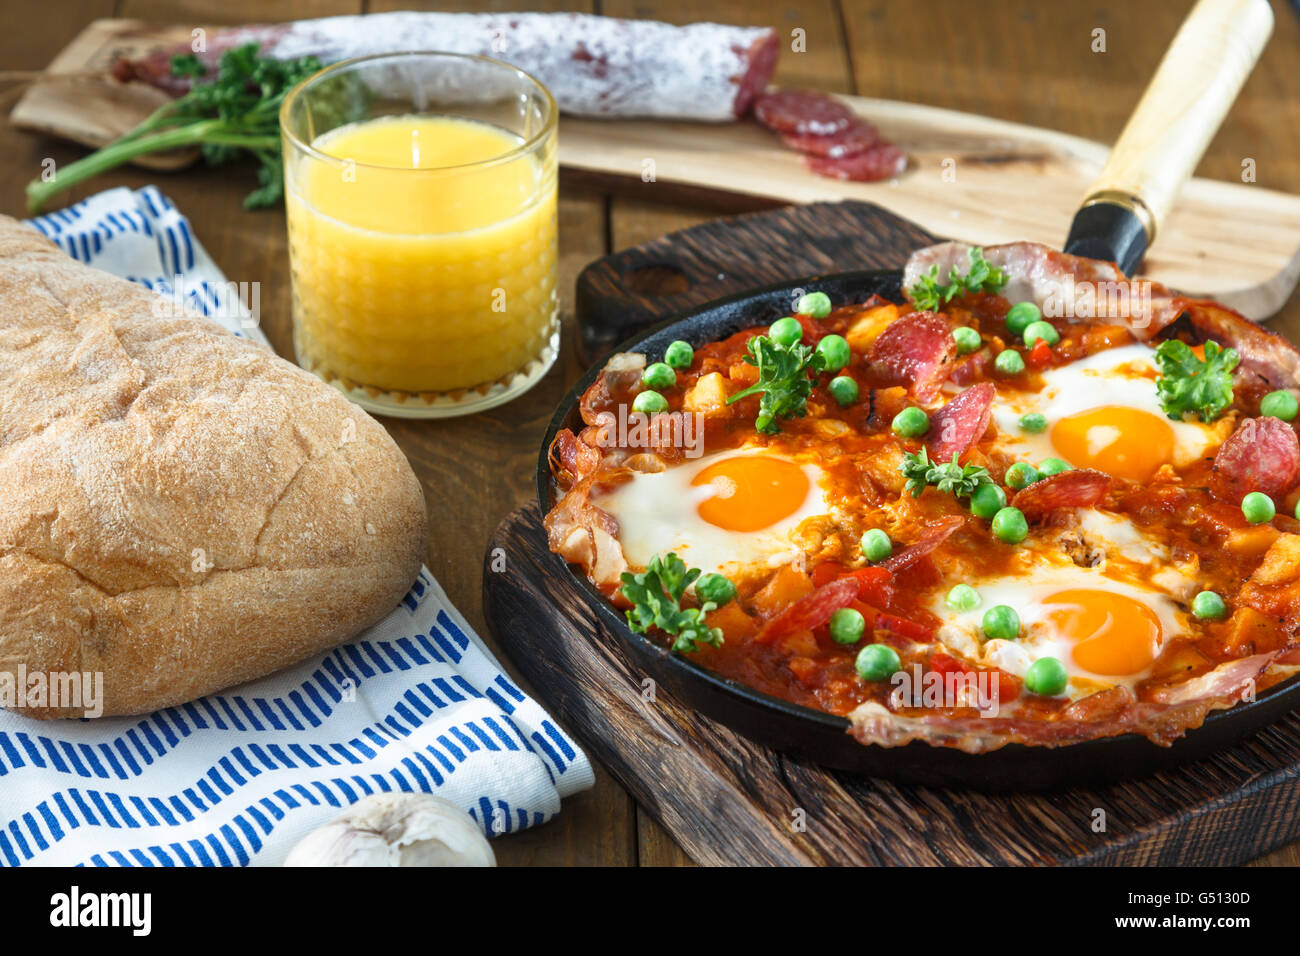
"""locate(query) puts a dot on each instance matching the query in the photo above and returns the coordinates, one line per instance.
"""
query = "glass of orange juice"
(420, 190)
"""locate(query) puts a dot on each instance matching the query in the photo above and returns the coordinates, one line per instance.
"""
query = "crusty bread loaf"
(180, 509)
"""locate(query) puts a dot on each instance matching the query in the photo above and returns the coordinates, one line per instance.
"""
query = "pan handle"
(1193, 88)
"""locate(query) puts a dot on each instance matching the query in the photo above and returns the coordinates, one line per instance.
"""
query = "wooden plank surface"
(1022, 61)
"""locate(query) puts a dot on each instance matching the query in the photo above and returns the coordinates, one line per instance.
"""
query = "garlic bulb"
(396, 829)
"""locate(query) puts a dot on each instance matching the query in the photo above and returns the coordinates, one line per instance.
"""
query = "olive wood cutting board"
(728, 800)
(973, 178)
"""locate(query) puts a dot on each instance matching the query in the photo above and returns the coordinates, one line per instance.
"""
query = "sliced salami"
(960, 423)
(916, 351)
(802, 112)
(857, 137)
(882, 161)
(1261, 455)
(1080, 488)
(935, 536)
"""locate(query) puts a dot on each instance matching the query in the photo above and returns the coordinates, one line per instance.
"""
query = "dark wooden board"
(727, 800)
(627, 291)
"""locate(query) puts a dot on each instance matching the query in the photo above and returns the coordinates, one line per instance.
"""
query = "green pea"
(679, 354)
(876, 545)
(1257, 507)
(659, 375)
(1034, 422)
(815, 304)
(1208, 606)
(1021, 316)
(834, 350)
(1009, 525)
(877, 662)
(987, 500)
(1297, 511)
(963, 597)
(649, 402)
(1001, 622)
(715, 588)
(844, 390)
(1280, 404)
(1009, 362)
(785, 331)
(1052, 466)
(967, 339)
(847, 626)
(1040, 330)
(1021, 475)
(1046, 677)
(911, 422)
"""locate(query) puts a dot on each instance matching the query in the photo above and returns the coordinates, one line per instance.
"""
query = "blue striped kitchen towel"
(415, 703)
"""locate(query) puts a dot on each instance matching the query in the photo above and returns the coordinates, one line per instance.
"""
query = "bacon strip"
(1062, 286)
(1162, 720)
(1263, 454)
(962, 422)
(915, 351)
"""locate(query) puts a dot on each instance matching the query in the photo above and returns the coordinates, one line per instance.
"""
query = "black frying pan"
(823, 738)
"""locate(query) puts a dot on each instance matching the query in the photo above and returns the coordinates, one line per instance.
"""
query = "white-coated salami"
(594, 66)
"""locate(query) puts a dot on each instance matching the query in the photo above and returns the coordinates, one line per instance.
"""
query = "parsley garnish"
(959, 480)
(930, 293)
(782, 379)
(656, 595)
(236, 111)
(1186, 384)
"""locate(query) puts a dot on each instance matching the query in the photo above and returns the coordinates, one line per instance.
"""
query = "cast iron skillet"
(823, 738)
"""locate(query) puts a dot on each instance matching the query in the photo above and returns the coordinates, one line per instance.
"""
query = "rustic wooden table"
(1016, 59)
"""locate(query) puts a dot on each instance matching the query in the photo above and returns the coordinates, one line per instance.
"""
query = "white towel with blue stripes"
(416, 703)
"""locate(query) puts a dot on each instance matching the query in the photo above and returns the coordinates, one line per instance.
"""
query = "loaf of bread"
(180, 509)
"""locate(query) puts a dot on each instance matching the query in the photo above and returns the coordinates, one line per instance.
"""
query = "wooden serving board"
(727, 800)
(971, 177)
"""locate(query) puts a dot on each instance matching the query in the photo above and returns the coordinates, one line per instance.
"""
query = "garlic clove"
(396, 829)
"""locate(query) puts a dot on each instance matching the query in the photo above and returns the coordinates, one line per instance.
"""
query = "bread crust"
(182, 510)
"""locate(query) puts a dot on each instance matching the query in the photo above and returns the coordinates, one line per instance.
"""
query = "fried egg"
(1106, 620)
(1103, 412)
(721, 512)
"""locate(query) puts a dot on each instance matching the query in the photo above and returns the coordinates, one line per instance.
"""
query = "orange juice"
(423, 252)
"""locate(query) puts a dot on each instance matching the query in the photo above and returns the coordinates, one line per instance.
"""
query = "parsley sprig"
(948, 477)
(783, 380)
(983, 276)
(656, 595)
(236, 111)
(1187, 384)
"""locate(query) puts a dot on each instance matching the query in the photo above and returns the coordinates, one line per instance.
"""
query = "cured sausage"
(802, 113)
(1263, 454)
(593, 66)
(1079, 488)
(857, 138)
(915, 351)
(882, 161)
(960, 423)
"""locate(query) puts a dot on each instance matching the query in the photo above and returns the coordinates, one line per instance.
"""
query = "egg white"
(656, 514)
(1127, 562)
(1118, 376)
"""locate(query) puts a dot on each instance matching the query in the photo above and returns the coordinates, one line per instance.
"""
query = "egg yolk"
(1124, 442)
(1113, 634)
(751, 493)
